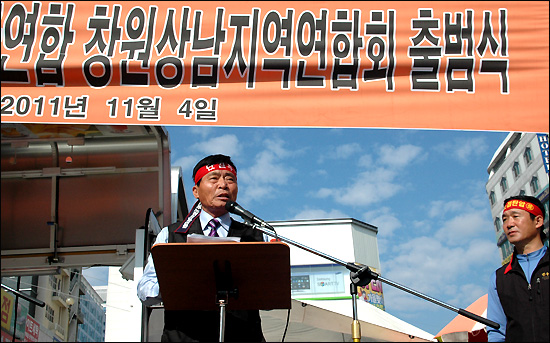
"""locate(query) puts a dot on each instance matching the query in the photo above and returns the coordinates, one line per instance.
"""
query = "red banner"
(32, 330)
(466, 65)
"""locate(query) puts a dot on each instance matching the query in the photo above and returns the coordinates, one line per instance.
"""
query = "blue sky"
(423, 189)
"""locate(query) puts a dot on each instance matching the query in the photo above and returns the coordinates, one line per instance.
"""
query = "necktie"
(213, 224)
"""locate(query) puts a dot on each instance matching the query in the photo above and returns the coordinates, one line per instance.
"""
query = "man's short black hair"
(212, 159)
(535, 201)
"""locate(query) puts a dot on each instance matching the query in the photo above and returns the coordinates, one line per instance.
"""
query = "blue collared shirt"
(494, 308)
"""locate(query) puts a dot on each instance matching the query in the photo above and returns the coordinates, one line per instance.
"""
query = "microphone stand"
(362, 275)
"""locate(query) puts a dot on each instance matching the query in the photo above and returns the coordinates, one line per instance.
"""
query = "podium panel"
(259, 271)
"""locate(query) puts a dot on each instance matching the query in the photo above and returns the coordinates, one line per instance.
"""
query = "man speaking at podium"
(215, 179)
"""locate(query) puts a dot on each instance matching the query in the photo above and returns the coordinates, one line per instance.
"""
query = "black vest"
(190, 326)
(525, 304)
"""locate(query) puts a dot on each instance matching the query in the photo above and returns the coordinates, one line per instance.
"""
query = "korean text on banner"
(466, 65)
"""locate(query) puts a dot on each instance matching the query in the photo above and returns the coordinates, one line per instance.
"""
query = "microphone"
(237, 209)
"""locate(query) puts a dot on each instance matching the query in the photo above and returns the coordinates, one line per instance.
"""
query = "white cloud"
(368, 187)
(323, 193)
(421, 226)
(466, 294)
(187, 163)
(399, 156)
(226, 144)
(430, 266)
(464, 149)
(365, 161)
(399, 300)
(346, 150)
(340, 152)
(376, 183)
(384, 245)
(464, 227)
(481, 248)
(251, 193)
(440, 208)
(203, 131)
(475, 146)
(439, 262)
(268, 168)
(267, 174)
(384, 220)
(321, 172)
(276, 146)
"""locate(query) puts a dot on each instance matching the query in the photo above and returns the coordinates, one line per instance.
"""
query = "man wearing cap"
(519, 292)
(215, 179)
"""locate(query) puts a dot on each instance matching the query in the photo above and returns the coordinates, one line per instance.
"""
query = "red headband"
(523, 205)
(208, 168)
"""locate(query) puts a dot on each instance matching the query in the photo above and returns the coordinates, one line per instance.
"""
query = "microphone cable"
(286, 326)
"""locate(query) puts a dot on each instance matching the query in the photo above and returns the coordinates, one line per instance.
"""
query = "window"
(522, 192)
(535, 185)
(498, 224)
(53, 282)
(528, 155)
(503, 185)
(515, 170)
(492, 198)
(49, 313)
(515, 141)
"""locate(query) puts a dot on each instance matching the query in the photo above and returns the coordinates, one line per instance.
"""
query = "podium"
(213, 276)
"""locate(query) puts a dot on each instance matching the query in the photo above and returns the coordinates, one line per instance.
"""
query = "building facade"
(93, 316)
(518, 167)
(72, 310)
(315, 277)
(18, 314)
(56, 321)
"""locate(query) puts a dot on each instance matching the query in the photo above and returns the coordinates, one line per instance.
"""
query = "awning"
(463, 329)
(330, 320)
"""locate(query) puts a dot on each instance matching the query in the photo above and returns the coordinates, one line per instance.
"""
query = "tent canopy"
(462, 328)
(330, 320)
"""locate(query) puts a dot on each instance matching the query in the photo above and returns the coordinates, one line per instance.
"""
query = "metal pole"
(355, 325)
(222, 320)
(15, 308)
